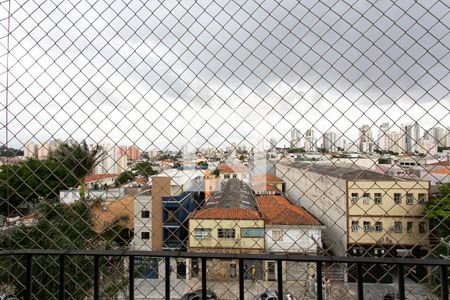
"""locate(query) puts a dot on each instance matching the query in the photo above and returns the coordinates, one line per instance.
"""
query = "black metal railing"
(400, 263)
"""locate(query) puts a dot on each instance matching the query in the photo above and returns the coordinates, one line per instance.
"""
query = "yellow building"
(229, 222)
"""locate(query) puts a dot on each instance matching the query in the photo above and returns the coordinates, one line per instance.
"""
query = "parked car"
(197, 295)
(272, 295)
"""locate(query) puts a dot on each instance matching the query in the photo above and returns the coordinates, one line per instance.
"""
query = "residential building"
(43, 151)
(30, 150)
(365, 212)
(133, 153)
(267, 184)
(310, 140)
(330, 141)
(288, 229)
(238, 171)
(114, 162)
(411, 137)
(231, 222)
(99, 181)
(365, 139)
(383, 137)
(296, 137)
(439, 135)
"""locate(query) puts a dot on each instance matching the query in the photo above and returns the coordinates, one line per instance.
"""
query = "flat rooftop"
(346, 173)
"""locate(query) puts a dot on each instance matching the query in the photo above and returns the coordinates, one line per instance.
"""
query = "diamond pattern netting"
(345, 103)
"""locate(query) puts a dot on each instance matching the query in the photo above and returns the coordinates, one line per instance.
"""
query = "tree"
(31, 180)
(57, 227)
(437, 210)
(125, 177)
(78, 159)
(144, 169)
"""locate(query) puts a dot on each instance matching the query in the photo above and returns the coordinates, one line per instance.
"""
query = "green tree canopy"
(144, 169)
(125, 177)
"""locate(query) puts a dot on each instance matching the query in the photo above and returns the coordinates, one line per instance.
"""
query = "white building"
(330, 141)
(288, 229)
(310, 140)
(114, 162)
(296, 137)
(365, 139)
(383, 137)
(411, 137)
(30, 150)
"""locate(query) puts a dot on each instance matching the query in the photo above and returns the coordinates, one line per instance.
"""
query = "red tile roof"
(97, 177)
(265, 187)
(227, 169)
(278, 210)
(440, 164)
(141, 180)
(441, 171)
(227, 214)
(267, 178)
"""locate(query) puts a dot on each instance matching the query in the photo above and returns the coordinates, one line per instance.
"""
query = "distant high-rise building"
(310, 140)
(395, 141)
(273, 143)
(30, 150)
(365, 139)
(330, 141)
(427, 146)
(439, 136)
(133, 153)
(411, 137)
(296, 137)
(383, 138)
(114, 162)
(43, 151)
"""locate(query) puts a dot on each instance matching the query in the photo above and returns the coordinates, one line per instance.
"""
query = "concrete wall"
(324, 197)
(160, 188)
(142, 202)
(295, 238)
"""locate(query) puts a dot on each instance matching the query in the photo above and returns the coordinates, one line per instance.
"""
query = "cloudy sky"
(213, 72)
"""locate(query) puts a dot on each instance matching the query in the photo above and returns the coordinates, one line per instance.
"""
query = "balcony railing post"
(319, 280)
(280, 278)
(96, 278)
(401, 281)
(167, 277)
(241, 278)
(29, 284)
(62, 265)
(203, 259)
(444, 282)
(359, 275)
(131, 277)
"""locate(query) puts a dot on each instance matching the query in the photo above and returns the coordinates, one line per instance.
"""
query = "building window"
(422, 227)
(171, 215)
(234, 175)
(422, 199)
(145, 214)
(378, 226)
(366, 225)
(398, 227)
(355, 198)
(366, 198)
(410, 227)
(145, 235)
(409, 199)
(355, 226)
(223, 233)
(378, 198)
(252, 232)
(277, 234)
(202, 233)
(226, 176)
(397, 198)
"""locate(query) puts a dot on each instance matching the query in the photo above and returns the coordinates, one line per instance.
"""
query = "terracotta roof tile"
(278, 210)
(441, 164)
(441, 171)
(265, 187)
(227, 214)
(267, 178)
(96, 177)
(227, 169)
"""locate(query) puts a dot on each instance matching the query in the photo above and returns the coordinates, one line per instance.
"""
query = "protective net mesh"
(299, 127)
